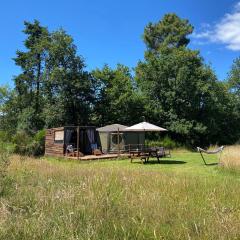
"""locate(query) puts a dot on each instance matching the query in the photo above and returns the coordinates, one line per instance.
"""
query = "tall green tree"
(68, 87)
(28, 84)
(233, 84)
(184, 94)
(234, 77)
(54, 88)
(117, 99)
(170, 32)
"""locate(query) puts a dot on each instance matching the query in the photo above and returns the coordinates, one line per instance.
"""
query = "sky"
(110, 32)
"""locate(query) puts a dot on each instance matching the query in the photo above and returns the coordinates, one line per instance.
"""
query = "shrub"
(4, 162)
(37, 147)
(166, 142)
(21, 141)
(29, 145)
(4, 136)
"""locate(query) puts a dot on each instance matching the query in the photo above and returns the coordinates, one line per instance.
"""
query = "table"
(135, 153)
(155, 152)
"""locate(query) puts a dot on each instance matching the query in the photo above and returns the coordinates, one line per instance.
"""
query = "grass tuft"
(231, 157)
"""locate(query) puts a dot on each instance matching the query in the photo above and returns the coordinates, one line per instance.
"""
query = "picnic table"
(135, 153)
(152, 152)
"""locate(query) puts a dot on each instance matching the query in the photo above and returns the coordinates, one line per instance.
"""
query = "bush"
(166, 142)
(37, 147)
(4, 136)
(29, 145)
(21, 141)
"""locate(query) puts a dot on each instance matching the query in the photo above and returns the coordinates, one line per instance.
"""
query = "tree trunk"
(38, 82)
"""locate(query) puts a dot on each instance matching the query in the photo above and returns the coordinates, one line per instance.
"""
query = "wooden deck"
(100, 157)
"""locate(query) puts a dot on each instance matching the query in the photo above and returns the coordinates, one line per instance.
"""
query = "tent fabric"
(91, 135)
(112, 128)
(144, 126)
(68, 135)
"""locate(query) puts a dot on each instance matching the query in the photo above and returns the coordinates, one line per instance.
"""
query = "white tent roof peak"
(144, 126)
(112, 128)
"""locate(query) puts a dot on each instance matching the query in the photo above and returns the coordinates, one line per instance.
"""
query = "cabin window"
(115, 138)
(58, 136)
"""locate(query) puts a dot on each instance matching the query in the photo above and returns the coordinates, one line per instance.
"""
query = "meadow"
(180, 198)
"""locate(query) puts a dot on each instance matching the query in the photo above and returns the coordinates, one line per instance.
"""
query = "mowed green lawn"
(180, 198)
(180, 162)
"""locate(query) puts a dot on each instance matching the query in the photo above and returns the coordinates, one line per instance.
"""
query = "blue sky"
(110, 32)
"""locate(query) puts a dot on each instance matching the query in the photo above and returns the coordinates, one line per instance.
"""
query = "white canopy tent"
(144, 127)
(112, 128)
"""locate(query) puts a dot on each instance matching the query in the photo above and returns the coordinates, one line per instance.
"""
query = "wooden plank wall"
(52, 148)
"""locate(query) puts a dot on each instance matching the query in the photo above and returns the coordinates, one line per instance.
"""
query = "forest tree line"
(171, 87)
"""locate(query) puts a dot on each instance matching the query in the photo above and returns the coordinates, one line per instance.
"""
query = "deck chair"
(95, 150)
(216, 151)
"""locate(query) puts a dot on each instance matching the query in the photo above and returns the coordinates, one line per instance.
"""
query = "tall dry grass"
(57, 201)
(231, 157)
(4, 162)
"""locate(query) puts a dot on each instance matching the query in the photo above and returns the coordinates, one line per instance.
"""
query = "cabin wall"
(53, 148)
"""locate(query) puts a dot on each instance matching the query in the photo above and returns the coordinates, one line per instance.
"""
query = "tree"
(4, 95)
(68, 89)
(233, 86)
(117, 100)
(53, 88)
(28, 84)
(8, 110)
(184, 94)
(170, 32)
(234, 77)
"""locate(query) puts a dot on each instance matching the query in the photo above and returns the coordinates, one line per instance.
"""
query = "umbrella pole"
(118, 144)
(78, 142)
(144, 135)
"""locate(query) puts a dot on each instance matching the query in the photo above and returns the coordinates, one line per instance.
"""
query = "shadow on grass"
(162, 162)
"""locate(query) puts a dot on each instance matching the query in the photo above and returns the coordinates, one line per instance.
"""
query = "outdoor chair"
(95, 150)
(167, 152)
(72, 152)
(156, 154)
(160, 151)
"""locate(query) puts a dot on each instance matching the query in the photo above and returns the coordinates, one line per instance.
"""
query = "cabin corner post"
(118, 143)
(64, 142)
(78, 142)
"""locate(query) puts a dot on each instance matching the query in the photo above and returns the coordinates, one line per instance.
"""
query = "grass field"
(178, 199)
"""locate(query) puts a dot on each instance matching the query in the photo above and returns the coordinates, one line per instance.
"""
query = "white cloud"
(226, 31)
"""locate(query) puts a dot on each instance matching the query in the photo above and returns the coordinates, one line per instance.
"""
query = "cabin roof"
(112, 128)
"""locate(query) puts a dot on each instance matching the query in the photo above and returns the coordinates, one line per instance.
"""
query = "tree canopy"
(53, 88)
(183, 91)
(170, 32)
(116, 97)
(171, 87)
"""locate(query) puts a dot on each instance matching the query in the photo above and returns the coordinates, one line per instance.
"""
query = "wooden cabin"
(81, 138)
